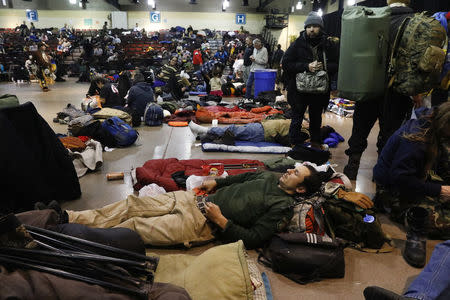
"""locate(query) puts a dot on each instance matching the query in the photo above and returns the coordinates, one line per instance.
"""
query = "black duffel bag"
(304, 257)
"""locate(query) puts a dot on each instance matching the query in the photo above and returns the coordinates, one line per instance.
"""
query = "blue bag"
(123, 134)
(153, 115)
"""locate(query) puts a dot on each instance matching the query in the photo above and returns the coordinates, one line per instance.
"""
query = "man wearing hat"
(390, 110)
(44, 67)
(306, 54)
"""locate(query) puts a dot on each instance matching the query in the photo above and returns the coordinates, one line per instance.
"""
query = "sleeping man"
(274, 131)
(251, 207)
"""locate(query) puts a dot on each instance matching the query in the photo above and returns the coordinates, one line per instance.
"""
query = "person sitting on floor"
(251, 207)
(432, 283)
(140, 94)
(273, 131)
(109, 94)
(413, 182)
(171, 76)
(216, 84)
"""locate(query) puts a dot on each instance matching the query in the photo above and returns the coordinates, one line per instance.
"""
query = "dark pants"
(299, 103)
(438, 97)
(391, 113)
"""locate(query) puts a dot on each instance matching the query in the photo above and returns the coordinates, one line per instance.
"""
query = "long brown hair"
(436, 127)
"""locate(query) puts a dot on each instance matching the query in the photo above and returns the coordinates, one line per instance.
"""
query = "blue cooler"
(264, 80)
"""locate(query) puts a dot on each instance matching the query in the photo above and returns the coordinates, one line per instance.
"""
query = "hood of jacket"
(147, 87)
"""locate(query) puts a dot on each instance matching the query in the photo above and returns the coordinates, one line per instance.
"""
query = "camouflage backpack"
(417, 55)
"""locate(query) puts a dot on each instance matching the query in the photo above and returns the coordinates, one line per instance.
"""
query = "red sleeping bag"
(160, 171)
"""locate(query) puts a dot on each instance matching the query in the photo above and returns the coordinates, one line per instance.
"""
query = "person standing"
(277, 56)
(247, 61)
(43, 63)
(259, 60)
(391, 110)
(306, 54)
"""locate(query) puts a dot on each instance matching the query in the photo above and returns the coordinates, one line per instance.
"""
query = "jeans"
(434, 280)
(253, 132)
(250, 81)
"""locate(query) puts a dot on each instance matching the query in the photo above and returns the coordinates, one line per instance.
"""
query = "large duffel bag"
(363, 52)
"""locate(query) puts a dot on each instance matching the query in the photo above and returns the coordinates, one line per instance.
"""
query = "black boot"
(377, 293)
(351, 169)
(416, 236)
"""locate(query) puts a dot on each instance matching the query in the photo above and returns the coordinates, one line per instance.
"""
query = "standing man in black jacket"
(247, 61)
(390, 110)
(306, 54)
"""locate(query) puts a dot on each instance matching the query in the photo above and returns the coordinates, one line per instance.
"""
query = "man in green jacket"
(249, 207)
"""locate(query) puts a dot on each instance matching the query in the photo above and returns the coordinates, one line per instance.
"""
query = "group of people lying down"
(254, 206)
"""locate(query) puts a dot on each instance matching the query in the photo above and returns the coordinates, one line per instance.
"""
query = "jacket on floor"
(256, 208)
(401, 164)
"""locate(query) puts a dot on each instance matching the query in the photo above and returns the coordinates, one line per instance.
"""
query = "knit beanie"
(406, 2)
(313, 19)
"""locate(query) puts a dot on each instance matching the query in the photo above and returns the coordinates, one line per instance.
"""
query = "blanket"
(246, 147)
(160, 171)
(204, 115)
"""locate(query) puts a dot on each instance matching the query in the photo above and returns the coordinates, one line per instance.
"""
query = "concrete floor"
(362, 269)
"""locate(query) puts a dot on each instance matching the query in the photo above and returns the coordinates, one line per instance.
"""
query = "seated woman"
(274, 131)
(412, 177)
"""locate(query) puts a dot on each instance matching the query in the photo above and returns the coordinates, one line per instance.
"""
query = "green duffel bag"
(8, 101)
(363, 52)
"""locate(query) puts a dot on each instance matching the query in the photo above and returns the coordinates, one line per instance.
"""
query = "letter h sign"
(241, 19)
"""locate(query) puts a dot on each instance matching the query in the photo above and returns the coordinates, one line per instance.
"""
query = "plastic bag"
(151, 190)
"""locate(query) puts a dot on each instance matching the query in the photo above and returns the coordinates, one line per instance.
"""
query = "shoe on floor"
(377, 293)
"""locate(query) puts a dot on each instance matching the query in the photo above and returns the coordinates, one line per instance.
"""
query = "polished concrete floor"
(388, 270)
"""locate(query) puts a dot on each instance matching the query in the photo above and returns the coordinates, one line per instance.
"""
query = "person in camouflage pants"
(413, 179)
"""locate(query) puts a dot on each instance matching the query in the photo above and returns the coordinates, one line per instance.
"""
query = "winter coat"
(401, 164)
(299, 55)
(139, 96)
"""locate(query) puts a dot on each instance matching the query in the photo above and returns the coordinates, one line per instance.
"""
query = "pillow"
(218, 273)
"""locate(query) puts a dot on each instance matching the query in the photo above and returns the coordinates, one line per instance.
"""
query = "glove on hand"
(357, 198)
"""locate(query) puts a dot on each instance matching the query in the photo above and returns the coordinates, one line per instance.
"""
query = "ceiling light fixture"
(299, 5)
(320, 12)
(73, 1)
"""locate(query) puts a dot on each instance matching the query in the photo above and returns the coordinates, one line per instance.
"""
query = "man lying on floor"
(249, 207)
(274, 131)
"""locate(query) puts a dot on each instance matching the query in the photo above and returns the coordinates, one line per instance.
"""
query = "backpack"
(363, 52)
(153, 115)
(350, 222)
(417, 56)
(309, 216)
(123, 134)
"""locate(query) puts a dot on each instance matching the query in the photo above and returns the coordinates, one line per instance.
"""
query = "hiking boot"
(416, 237)
(377, 293)
(351, 169)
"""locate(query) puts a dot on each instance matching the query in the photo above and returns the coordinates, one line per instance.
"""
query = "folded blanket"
(246, 147)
